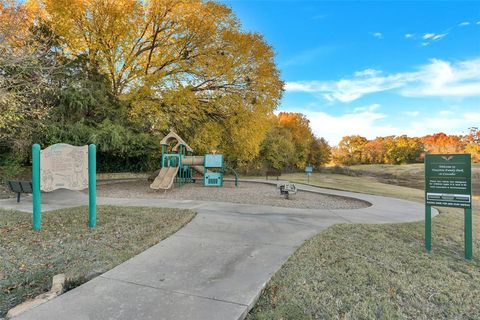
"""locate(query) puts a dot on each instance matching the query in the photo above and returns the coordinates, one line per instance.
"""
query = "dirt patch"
(247, 193)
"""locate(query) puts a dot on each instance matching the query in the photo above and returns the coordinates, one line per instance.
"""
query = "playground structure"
(178, 165)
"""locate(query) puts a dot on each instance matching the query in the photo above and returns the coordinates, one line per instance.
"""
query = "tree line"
(356, 149)
(121, 73)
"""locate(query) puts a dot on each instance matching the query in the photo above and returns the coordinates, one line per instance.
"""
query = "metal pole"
(37, 197)
(468, 234)
(428, 228)
(92, 186)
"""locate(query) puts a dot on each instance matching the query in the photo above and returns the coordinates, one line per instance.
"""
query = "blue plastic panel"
(214, 161)
(213, 179)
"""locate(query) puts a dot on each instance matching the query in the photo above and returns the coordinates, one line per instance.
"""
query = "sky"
(374, 68)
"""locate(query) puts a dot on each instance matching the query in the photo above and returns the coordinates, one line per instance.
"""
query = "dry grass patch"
(377, 271)
(65, 244)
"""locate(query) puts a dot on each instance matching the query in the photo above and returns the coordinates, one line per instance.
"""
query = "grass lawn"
(30, 259)
(409, 175)
(377, 271)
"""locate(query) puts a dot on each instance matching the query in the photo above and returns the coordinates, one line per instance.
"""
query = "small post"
(92, 186)
(468, 234)
(428, 228)
(37, 200)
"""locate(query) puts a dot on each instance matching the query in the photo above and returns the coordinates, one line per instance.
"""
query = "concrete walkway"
(213, 268)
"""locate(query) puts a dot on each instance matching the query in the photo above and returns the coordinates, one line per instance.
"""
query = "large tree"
(179, 63)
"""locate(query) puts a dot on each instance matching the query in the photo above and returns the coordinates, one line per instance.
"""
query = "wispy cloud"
(377, 35)
(438, 78)
(434, 36)
(412, 113)
(464, 23)
(308, 56)
(367, 73)
(408, 35)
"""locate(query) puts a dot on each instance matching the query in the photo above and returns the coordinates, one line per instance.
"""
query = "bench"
(288, 189)
(273, 173)
(20, 187)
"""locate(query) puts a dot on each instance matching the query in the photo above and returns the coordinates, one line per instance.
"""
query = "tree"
(443, 143)
(403, 149)
(374, 150)
(278, 148)
(473, 144)
(320, 152)
(302, 135)
(350, 150)
(179, 64)
(27, 66)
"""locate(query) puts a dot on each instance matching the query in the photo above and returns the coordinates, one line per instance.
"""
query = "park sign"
(448, 183)
(63, 166)
(448, 180)
(308, 169)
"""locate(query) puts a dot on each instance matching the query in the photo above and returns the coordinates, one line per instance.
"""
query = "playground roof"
(173, 136)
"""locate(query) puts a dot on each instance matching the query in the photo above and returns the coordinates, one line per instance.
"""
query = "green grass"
(409, 175)
(66, 245)
(377, 271)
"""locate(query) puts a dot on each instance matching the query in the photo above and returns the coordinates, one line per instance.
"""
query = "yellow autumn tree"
(178, 63)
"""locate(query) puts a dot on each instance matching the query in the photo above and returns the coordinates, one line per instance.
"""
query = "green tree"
(278, 148)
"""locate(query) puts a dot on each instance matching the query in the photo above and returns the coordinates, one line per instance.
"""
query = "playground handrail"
(235, 173)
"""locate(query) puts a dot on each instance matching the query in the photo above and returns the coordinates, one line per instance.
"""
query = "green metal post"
(37, 197)
(428, 228)
(163, 152)
(468, 234)
(92, 186)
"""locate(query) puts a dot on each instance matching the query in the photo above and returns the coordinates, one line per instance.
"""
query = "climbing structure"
(178, 164)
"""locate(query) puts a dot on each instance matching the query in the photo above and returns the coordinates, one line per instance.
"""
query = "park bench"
(288, 189)
(20, 187)
(273, 173)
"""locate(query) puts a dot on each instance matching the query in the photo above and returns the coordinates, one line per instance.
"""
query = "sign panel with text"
(448, 180)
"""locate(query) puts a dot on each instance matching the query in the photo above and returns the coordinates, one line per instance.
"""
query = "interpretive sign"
(308, 169)
(448, 183)
(448, 180)
(64, 166)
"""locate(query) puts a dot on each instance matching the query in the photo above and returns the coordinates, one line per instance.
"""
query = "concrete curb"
(58, 282)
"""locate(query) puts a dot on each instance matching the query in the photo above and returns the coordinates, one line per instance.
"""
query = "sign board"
(448, 180)
(64, 166)
(308, 169)
(448, 183)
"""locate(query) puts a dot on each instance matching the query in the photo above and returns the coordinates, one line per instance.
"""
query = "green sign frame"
(37, 195)
(448, 183)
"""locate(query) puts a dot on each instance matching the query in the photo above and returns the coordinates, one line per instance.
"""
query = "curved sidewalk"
(213, 268)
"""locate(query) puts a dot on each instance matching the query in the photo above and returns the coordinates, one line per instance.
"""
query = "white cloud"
(478, 22)
(464, 23)
(408, 35)
(412, 113)
(438, 78)
(434, 36)
(367, 73)
(377, 35)
(369, 124)
(369, 108)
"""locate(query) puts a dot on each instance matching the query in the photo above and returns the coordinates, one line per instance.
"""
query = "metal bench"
(20, 187)
(287, 190)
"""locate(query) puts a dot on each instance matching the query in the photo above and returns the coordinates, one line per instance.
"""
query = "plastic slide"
(165, 178)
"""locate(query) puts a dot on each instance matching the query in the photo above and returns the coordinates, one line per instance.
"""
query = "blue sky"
(374, 67)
